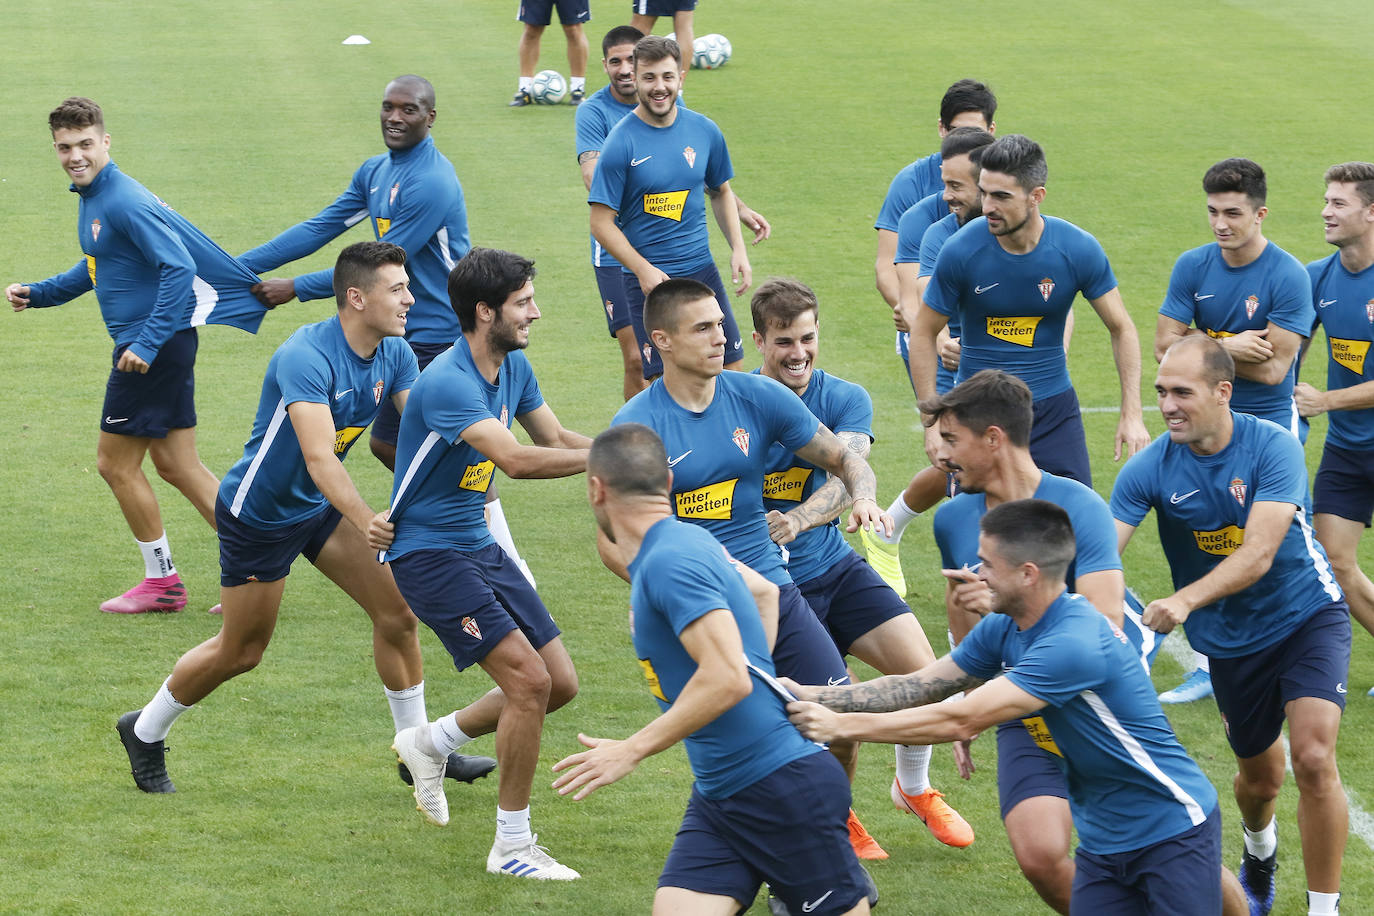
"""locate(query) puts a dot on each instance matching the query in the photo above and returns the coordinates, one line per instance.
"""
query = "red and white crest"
(394, 190)
(377, 390)
(1046, 288)
(470, 627)
(648, 353)
(1238, 490)
(95, 230)
(1369, 310)
(1251, 306)
(505, 416)
(690, 155)
(610, 309)
(741, 437)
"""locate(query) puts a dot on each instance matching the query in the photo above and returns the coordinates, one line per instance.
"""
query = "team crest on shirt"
(1238, 490)
(690, 155)
(1251, 306)
(741, 437)
(1369, 310)
(377, 391)
(470, 627)
(95, 231)
(395, 189)
(1046, 288)
(505, 416)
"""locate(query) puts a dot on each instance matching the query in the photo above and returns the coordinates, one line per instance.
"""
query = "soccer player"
(1258, 597)
(865, 617)
(767, 804)
(156, 278)
(604, 109)
(1342, 289)
(1149, 824)
(289, 495)
(1256, 299)
(648, 195)
(644, 13)
(536, 16)
(465, 588)
(1011, 276)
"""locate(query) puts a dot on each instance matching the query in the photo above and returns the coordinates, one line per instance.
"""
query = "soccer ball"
(548, 88)
(710, 52)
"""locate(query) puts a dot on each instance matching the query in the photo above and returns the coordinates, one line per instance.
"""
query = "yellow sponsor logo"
(1350, 353)
(786, 484)
(90, 267)
(343, 438)
(1219, 335)
(651, 676)
(1020, 331)
(383, 227)
(1222, 542)
(477, 477)
(668, 205)
(1040, 734)
(714, 500)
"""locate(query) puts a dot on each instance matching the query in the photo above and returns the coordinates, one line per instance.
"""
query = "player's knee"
(1314, 766)
(1262, 787)
(562, 690)
(528, 684)
(1046, 866)
(241, 658)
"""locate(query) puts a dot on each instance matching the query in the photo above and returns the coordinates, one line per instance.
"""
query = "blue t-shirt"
(1012, 307)
(153, 272)
(681, 574)
(441, 482)
(655, 178)
(911, 228)
(1131, 784)
(843, 407)
(719, 458)
(269, 487)
(1206, 292)
(917, 180)
(931, 243)
(1201, 504)
(1345, 307)
(594, 118)
(414, 200)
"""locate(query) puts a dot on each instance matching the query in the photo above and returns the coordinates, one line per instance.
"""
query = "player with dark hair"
(156, 278)
(767, 805)
(454, 435)
(536, 16)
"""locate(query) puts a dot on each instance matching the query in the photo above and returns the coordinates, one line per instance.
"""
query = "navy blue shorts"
(540, 12)
(1180, 876)
(804, 650)
(661, 7)
(472, 600)
(1024, 769)
(1344, 485)
(634, 297)
(1058, 443)
(1252, 690)
(850, 599)
(788, 829)
(610, 283)
(388, 422)
(151, 404)
(248, 554)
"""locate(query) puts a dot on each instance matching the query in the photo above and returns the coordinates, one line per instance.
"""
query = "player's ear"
(658, 337)
(1038, 195)
(758, 341)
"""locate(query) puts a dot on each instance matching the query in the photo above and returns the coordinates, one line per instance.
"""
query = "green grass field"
(250, 116)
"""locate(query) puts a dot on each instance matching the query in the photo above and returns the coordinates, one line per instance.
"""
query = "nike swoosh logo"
(339, 394)
(1340, 688)
(835, 682)
(673, 461)
(1323, 303)
(1197, 298)
(634, 162)
(1175, 499)
(113, 420)
(979, 290)
(372, 190)
(810, 905)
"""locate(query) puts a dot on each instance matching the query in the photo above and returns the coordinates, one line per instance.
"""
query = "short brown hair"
(990, 397)
(1360, 174)
(781, 301)
(653, 48)
(76, 113)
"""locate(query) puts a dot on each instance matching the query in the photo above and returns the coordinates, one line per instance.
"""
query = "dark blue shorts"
(634, 297)
(610, 283)
(472, 600)
(151, 404)
(1252, 690)
(540, 12)
(661, 7)
(1144, 640)
(1180, 876)
(850, 599)
(388, 422)
(1024, 769)
(1344, 485)
(1058, 443)
(788, 829)
(804, 650)
(248, 554)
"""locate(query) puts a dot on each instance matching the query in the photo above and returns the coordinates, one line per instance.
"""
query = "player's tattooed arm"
(825, 450)
(829, 500)
(587, 163)
(934, 682)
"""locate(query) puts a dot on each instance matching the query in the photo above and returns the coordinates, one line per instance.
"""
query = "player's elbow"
(735, 686)
(518, 465)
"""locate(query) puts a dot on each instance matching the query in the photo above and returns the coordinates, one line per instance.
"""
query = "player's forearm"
(711, 691)
(333, 481)
(884, 271)
(1236, 573)
(611, 238)
(894, 692)
(61, 288)
(822, 506)
(1269, 371)
(938, 724)
(1126, 355)
(726, 212)
(1356, 397)
(536, 462)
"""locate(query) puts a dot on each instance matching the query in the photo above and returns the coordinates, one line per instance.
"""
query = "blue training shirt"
(441, 482)
(153, 272)
(915, 181)
(1201, 504)
(680, 574)
(719, 458)
(270, 487)
(1012, 307)
(1345, 308)
(413, 199)
(931, 242)
(1131, 784)
(594, 118)
(655, 178)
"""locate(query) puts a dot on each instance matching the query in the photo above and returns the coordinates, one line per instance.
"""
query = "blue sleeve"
(895, 203)
(405, 367)
(63, 287)
(530, 397)
(1178, 301)
(1133, 492)
(590, 122)
(911, 228)
(980, 653)
(853, 411)
(608, 181)
(931, 243)
(1094, 532)
(304, 374)
(1292, 297)
(942, 293)
(1095, 271)
(718, 169)
(686, 589)
(794, 424)
(1282, 476)
(159, 243)
(1059, 669)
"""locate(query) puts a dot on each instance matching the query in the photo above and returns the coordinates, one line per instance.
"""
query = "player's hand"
(607, 761)
(968, 592)
(650, 278)
(129, 361)
(782, 528)
(865, 513)
(814, 721)
(949, 352)
(754, 222)
(1310, 401)
(1163, 614)
(1131, 436)
(932, 444)
(899, 320)
(740, 272)
(963, 757)
(805, 692)
(274, 292)
(380, 531)
(18, 295)
(1249, 346)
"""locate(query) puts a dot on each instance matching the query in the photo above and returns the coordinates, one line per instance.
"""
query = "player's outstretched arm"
(825, 450)
(314, 427)
(494, 440)
(720, 681)
(940, 679)
(820, 507)
(545, 430)
(726, 211)
(1131, 434)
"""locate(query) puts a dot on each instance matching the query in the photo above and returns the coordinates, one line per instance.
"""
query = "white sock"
(913, 767)
(901, 517)
(1261, 843)
(1319, 904)
(1202, 663)
(513, 827)
(496, 521)
(407, 706)
(577, 82)
(157, 717)
(446, 735)
(157, 557)
(525, 83)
